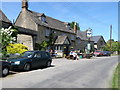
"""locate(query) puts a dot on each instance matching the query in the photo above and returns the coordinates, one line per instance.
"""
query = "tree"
(45, 44)
(51, 40)
(72, 25)
(7, 36)
(115, 46)
(42, 46)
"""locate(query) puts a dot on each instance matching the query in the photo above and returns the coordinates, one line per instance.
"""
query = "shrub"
(16, 48)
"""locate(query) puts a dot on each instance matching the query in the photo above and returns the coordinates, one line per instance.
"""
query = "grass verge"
(116, 78)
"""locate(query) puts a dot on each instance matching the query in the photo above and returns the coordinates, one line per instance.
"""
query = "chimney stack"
(25, 4)
(75, 27)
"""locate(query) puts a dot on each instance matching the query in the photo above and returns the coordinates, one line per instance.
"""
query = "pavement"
(83, 73)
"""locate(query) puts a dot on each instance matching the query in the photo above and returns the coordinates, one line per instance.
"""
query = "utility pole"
(110, 37)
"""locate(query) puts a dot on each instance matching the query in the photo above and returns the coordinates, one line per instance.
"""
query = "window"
(66, 41)
(78, 41)
(38, 55)
(47, 32)
(101, 42)
(63, 34)
(69, 28)
(72, 37)
(46, 55)
(58, 48)
(43, 19)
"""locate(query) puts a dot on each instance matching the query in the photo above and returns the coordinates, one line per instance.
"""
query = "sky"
(96, 15)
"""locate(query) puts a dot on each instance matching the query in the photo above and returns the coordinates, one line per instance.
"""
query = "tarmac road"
(83, 73)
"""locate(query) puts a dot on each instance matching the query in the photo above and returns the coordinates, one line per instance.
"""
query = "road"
(83, 73)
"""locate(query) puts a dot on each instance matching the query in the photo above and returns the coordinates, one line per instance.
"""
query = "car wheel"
(48, 64)
(27, 67)
(5, 71)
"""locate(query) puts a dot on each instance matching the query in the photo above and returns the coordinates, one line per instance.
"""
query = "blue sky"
(96, 15)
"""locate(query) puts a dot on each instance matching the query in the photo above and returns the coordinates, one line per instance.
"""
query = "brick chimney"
(75, 27)
(24, 4)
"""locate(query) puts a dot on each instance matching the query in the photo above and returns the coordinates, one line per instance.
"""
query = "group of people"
(73, 55)
(53, 53)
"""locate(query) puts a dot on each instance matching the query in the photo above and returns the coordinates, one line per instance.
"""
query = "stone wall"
(25, 21)
(42, 32)
(25, 40)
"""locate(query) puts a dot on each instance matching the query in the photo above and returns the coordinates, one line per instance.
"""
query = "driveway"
(84, 73)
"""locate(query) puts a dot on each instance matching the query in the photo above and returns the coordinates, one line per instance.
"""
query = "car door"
(44, 58)
(36, 59)
(41, 59)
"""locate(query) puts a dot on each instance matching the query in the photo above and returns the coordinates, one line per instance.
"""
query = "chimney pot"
(25, 4)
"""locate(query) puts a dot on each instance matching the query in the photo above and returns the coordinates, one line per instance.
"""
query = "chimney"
(24, 4)
(75, 27)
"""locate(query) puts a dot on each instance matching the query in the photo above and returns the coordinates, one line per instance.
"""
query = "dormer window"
(69, 28)
(43, 19)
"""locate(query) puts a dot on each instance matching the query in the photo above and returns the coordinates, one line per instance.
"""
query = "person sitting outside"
(74, 55)
(71, 54)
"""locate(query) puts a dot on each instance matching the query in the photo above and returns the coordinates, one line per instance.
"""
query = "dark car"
(4, 68)
(106, 53)
(31, 59)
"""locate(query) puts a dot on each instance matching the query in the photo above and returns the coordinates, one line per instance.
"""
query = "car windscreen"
(27, 54)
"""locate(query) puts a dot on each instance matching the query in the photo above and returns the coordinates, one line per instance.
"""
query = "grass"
(116, 78)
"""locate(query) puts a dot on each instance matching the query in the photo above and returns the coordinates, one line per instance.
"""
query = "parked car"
(4, 68)
(106, 53)
(31, 59)
(98, 53)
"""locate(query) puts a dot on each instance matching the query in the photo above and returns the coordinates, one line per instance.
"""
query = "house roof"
(82, 35)
(95, 38)
(3, 17)
(61, 40)
(50, 22)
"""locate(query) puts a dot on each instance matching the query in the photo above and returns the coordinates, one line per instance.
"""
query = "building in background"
(99, 42)
(82, 41)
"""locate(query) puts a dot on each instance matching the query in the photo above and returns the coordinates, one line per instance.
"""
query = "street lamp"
(89, 35)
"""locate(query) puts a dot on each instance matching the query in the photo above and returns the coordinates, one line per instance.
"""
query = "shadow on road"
(17, 71)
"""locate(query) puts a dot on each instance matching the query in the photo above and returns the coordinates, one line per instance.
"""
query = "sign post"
(89, 35)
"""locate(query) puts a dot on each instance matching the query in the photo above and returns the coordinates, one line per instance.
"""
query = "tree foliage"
(45, 44)
(72, 25)
(115, 46)
(16, 48)
(7, 35)
(42, 46)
